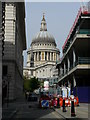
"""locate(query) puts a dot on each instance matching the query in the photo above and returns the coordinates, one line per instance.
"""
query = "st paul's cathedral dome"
(42, 54)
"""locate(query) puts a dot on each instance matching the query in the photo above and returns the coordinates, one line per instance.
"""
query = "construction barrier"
(64, 108)
(58, 105)
(72, 109)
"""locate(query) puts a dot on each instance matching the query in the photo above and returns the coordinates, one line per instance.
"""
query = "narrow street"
(23, 110)
(30, 110)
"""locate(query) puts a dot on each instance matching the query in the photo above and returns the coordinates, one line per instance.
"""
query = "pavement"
(10, 109)
(81, 112)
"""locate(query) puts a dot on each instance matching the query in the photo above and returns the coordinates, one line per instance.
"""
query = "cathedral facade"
(42, 55)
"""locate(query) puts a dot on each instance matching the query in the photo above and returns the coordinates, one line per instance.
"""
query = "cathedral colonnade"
(47, 56)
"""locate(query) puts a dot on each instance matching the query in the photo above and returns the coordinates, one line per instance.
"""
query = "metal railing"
(83, 60)
(81, 31)
(84, 31)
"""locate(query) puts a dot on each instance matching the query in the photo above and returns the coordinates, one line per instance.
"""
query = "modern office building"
(74, 66)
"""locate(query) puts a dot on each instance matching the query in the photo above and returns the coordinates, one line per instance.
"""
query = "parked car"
(32, 97)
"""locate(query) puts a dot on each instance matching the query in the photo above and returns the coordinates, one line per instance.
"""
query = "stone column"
(64, 68)
(53, 57)
(37, 56)
(61, 71)
(44, 55)
(68, 63)
(41, 56)
(74, 81)
(50, 57)
(74, 57)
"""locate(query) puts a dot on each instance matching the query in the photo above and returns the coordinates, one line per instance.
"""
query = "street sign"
(45, 103)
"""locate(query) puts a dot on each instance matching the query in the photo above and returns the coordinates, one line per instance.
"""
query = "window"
(5, 70)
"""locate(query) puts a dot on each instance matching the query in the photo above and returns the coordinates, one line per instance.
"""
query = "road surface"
(30, 110)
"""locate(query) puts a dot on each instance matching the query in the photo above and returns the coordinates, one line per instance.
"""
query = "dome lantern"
(43, 24)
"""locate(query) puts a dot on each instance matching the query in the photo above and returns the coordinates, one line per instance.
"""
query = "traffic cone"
(72, 109)
(64, 108)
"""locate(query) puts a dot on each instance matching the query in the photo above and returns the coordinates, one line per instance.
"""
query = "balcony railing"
(80, 32)
(84, 31)
(83, 60)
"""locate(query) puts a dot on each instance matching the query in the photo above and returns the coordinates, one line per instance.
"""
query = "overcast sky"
(59, 17)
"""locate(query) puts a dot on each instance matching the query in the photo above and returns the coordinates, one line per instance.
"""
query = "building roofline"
(82, 11)
(21, 7)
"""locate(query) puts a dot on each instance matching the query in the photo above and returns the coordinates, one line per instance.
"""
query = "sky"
(59, 16)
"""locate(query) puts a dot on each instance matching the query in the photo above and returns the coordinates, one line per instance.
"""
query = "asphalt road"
(31, 111)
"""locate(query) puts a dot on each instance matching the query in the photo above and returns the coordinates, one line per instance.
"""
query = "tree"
(26, 84)
(31, 84)
(34, 84)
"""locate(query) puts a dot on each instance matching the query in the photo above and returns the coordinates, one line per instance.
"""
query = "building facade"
(42, 55)
(53, 81)
(14, 44)
(74, 66)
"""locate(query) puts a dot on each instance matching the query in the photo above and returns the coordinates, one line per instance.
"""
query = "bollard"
(72, 109)
(58, 105)
(64, 108)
